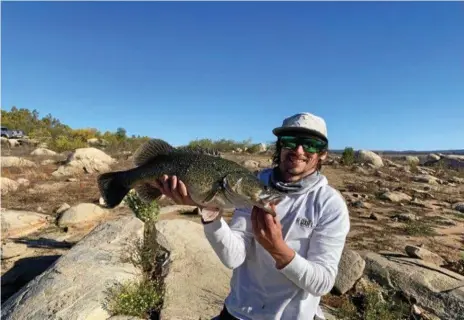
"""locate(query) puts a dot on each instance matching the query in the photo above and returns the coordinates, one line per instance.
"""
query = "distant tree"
(121, 133)
(348, 156)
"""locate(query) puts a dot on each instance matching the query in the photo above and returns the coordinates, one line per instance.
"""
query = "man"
(283, 265)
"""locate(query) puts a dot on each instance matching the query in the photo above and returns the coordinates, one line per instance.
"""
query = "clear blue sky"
(384, 75)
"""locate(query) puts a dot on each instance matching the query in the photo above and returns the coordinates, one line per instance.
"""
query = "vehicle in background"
(12, 134)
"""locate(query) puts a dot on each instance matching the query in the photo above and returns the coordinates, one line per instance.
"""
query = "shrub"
(348, 156)
(135, 298)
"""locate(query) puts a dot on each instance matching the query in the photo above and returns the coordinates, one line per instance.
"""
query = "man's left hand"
(268, 233)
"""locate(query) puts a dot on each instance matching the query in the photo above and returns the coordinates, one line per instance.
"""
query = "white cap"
(303, 123)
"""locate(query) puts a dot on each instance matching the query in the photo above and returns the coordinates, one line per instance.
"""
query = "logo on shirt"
(303, 222)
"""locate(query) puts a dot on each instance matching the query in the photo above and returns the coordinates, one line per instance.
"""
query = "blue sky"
(384, 75)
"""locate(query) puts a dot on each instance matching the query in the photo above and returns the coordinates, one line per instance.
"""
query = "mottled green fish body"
(211, 181)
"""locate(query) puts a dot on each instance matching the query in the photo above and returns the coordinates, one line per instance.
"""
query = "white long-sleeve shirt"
(315, 223)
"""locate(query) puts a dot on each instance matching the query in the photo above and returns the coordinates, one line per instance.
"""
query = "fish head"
(249, 187)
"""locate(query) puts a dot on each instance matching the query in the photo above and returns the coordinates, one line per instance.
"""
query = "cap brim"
(280, 131)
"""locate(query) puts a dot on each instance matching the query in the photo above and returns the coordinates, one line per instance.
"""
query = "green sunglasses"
(309, 145)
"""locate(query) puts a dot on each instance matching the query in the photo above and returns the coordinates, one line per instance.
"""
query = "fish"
(211, 180)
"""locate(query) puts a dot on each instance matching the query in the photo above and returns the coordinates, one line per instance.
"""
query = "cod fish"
(211, 181)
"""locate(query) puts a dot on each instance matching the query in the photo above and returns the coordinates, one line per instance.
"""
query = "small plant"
(142, 210)
(369, 304)
(141, 298)
(348, 156)
(416, 228)
(135, 298)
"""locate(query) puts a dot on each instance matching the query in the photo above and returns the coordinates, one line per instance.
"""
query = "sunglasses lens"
(309, 145)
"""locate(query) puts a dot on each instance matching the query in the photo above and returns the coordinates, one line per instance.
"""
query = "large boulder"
(43, 152)
(17, 223)
(8, 162)
(369, 157)
(76, 285)
(81, 215)
(433, 288)
(197, 282)
(350, 269)
(8, 185)
(85, 160)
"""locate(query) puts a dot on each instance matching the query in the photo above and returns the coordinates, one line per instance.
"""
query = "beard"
(294, 164)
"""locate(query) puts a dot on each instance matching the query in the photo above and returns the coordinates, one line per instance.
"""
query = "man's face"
(299, 156)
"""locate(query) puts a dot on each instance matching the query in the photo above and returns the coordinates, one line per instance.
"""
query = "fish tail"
(113, 187)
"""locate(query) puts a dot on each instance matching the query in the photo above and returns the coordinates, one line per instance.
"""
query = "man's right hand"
(174, 189)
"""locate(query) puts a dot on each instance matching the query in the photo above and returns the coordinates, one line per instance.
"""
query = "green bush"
(135, 298)
(348, 156)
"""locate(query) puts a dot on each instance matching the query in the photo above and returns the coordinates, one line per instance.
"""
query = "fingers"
(173, 188)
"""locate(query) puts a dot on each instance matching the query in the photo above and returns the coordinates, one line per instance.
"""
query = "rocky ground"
(407, 236)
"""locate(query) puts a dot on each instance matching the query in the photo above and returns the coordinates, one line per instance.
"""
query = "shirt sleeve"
(316, 274)
(231, 242)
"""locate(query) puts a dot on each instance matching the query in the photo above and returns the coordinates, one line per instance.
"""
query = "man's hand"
(177, 191)
(174, 189)
(268, 233)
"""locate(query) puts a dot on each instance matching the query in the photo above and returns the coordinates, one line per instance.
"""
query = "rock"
(433, 157)
(8, 185)
(412, 160)
(361, 170)
(43, 152)
(23, 182)
(14, 143)
(251, 164)
(20, 223)
(8, 162)
(390, 163)
(361, 204)
(395, 196)
(47, 162)
(431, 287)
(12, 249)
(350, 269)
(405, 217)
(459, 207)
(62, 208)
(97, 142)
(75, 286)
(366, 156)
(190, 291)
(424, 178)
(424, 254)
(24, 271)
(85, 160)
(81, 215)
(262, 147)
(456, 180)
(455, 162)
(374, 216)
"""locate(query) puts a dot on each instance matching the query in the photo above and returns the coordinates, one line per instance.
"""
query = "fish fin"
(112, 188)
(210, 196)
(150, 150)
(199, 150)
(147, 193)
